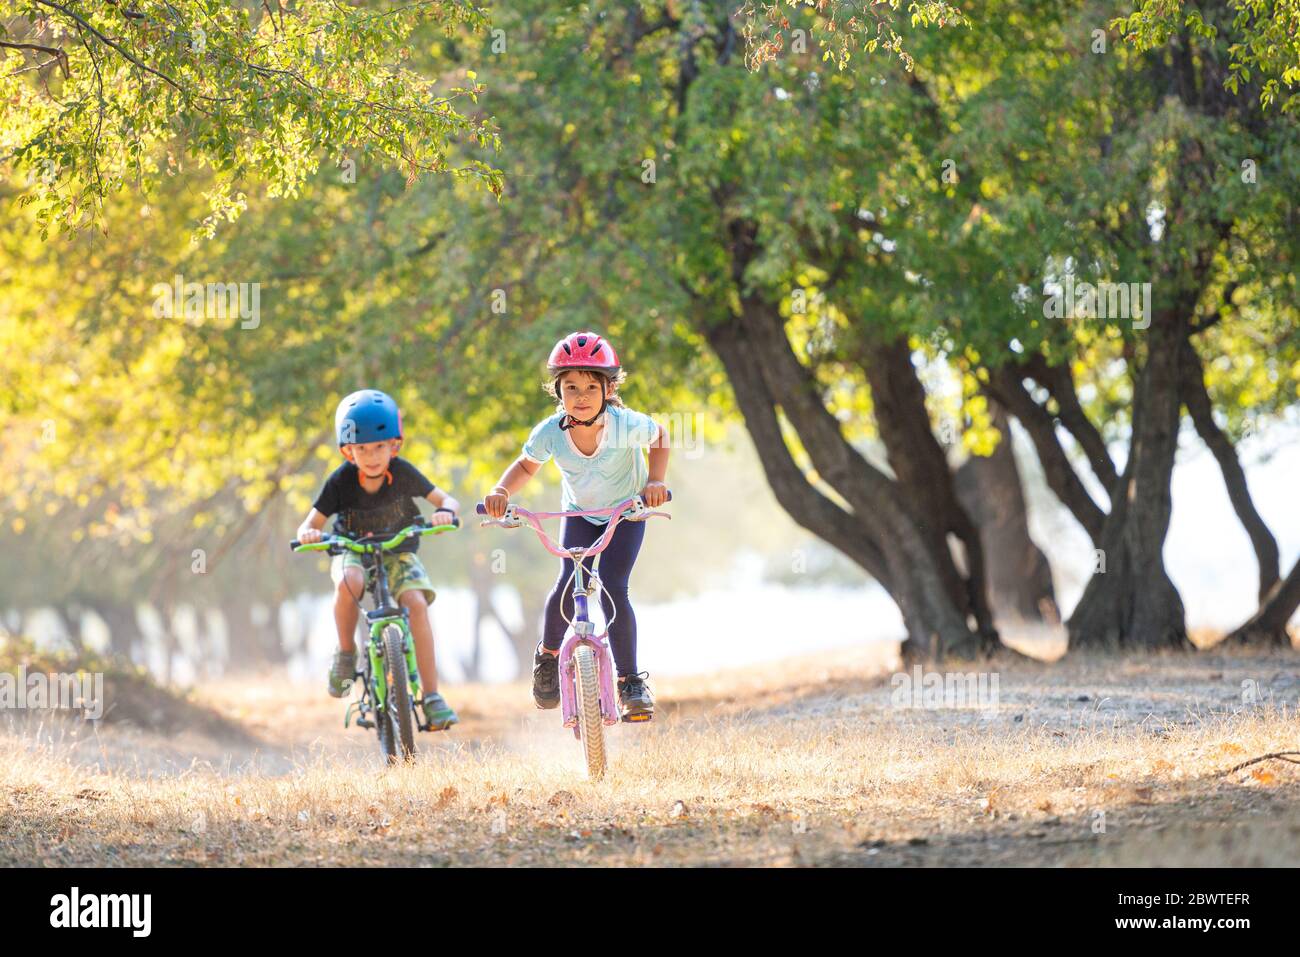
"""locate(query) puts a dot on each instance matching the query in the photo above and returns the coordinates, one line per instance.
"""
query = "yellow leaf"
(1264, 776)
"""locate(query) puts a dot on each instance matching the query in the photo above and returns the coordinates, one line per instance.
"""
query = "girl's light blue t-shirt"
(615, 472)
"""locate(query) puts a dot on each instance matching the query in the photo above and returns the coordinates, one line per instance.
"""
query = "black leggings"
(616, 563)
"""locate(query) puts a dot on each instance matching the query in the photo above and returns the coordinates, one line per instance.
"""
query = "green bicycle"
(390, 683)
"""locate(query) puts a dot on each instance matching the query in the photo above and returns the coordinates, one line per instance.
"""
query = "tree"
(841, 27)
(1263, 52)
(117, 96)
(795, 247)
(1201, 63)
(686, 211)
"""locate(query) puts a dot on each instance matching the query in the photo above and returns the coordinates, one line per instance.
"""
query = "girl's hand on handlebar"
(654, 494)
(309, 535)
(496, 501)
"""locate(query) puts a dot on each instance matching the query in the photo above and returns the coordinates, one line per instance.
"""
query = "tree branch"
(59, 54)
(1006, 387)
(113, 44)
(1060, 383)
(1199, 406)
(804, 503)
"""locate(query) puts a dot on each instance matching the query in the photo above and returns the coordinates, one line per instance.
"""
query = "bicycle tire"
(401, 714)
(383, 723)
(387, 740)
(591, 726)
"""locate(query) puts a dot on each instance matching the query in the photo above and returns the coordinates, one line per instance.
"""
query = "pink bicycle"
(587, 698)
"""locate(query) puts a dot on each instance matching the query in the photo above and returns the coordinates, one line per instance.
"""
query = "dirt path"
(1088, 761)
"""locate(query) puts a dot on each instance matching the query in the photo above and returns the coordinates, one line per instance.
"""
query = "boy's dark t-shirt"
(388, 510)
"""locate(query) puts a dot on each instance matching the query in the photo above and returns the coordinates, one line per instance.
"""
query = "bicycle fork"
(584, 634)
(377, 688)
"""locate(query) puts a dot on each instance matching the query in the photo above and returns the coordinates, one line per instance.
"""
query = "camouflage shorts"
(405, 571)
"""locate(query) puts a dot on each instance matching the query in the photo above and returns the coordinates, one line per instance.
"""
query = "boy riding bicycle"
(372, 493)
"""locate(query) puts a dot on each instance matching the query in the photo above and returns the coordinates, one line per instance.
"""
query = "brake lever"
(510, 519)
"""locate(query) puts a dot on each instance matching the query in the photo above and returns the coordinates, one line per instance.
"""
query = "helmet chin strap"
(361, 475)
(569, 421)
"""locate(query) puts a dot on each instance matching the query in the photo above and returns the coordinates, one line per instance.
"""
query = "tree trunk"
(471, 665)
(879, 533)
(123, 628)
(1019, 576)
(880, 529)
(525, 637)
(252, 643)
(533, 605)
(480, 582)
(1200, 408)
(1133, 603)
(1006, 387)
(71, 617)
(1059, 381)
(802, 500)
(921, 468)
(1268, 626)
(269, 636)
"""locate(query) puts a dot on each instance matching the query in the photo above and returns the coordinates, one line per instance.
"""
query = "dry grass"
(1090, 760)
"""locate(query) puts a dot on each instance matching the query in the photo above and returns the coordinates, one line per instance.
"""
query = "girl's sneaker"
(634, 698)
(437, 712)
(546, 679)
(342, 672)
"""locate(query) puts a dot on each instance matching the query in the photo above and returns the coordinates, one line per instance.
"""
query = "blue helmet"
(367, 416)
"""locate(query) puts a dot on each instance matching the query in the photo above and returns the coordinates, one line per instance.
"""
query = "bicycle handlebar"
(368, 544)
(516, 516)
(481, 509)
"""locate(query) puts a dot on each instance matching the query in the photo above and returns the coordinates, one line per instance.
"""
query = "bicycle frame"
(380, 617)
(581, 631)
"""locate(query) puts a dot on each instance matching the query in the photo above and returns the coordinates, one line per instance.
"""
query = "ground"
(1091, 760)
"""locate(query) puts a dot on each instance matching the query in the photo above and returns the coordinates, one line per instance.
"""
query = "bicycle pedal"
(365, 723)
(638, 718)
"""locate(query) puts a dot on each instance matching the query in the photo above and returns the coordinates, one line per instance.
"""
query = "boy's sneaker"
(437, 712)
(634, 699)
(546, 679)
(342, 672)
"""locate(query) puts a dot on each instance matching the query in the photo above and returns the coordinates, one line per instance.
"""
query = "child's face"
(371, 458)
(581, 393)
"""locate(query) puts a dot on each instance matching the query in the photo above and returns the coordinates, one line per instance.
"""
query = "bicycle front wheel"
(591, 727)
(401, 714)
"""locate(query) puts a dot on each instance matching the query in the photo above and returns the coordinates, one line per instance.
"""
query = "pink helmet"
(583, 352)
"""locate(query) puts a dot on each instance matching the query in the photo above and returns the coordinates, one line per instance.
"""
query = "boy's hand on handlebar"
(309, 535)
(443, 517)
(654, 494)
(496, 501)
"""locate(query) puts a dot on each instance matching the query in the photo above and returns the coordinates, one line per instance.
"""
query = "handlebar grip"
(294, 544)
(455, 521)
(670, 495)
(480, 509)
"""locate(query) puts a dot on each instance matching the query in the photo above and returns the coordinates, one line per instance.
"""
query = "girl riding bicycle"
(597, 444)
(373, 492)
